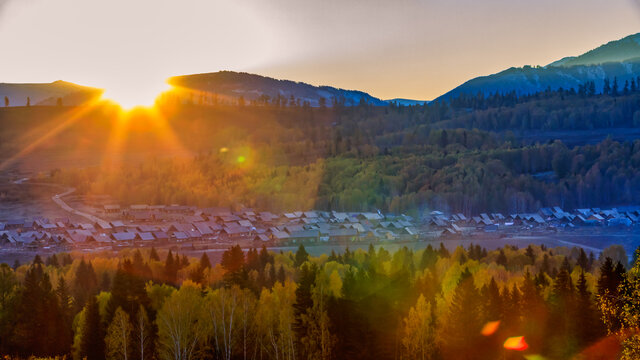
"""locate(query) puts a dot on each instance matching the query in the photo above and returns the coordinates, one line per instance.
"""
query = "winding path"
(58, 200)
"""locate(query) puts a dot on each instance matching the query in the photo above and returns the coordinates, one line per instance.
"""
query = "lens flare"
(490, 328)
(516, 343)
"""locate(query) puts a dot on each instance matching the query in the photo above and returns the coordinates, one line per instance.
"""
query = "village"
(115, 227)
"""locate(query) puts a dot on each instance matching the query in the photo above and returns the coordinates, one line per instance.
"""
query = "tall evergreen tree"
(153, 254)
(171, 269)
(281, 275)
(586, 320)
(562, 342)
(583, 261)
(127, 292)
(502, 258)
(304, 302)
(443, 252)
(301, 256)
(86, 284)
(530, 254)
(461, 328)
(40, 320)
(233, 263)
(608, 280)
(429, 258)
(92, 342)
(65, 303)
(493, 302)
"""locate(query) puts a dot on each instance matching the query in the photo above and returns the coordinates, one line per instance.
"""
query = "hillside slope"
(617, 59)
(229, 85)
(46, 93)
(623, 50)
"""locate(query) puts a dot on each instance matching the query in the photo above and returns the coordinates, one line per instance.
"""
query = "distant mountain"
(407, 102)
(229, 85)
(617, 59)
(623, 50)
(47, 93)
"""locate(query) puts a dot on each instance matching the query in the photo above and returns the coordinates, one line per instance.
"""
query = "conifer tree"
(608, 281)
(40, 320)
(530, 254)
(443, 252)
(171, 269)
(462, 325)
(301, 256)
(233, 263)
(281, 275)
(85, 283)
(92, 342)
(153, 254)
(304, 302)
(502, 258)
(65, 301)
(583, 261)
(493, 302)
(429, 258)
(265, 257)
(586, 320)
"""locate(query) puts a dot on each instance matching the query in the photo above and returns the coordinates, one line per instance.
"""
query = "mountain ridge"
(253, 87)
(622, 50)
(46, 94)
(616, 59)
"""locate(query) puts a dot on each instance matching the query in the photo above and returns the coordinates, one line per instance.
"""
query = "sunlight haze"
(418, 50)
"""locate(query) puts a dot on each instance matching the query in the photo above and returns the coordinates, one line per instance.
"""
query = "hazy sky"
(390, 48)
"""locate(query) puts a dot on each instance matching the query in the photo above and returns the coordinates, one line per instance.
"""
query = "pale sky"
(415, 49)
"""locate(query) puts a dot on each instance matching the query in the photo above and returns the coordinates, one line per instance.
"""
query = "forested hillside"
(471, 155)
(429, 304)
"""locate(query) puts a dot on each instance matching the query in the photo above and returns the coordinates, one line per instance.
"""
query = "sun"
(134, 95)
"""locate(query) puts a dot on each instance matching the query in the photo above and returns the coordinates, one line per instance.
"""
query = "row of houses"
(175, 224)
(549, 218)
(138, 225)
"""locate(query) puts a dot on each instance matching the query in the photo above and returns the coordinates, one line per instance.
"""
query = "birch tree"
(230, 312)
(181, 324)
(118, 338)
(275, 318)
(418, 339)
(142, 334)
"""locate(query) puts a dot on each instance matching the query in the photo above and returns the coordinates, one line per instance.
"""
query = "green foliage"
(471, 155)
(424, 303)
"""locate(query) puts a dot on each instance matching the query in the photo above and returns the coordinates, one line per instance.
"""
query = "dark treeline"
(425, 304)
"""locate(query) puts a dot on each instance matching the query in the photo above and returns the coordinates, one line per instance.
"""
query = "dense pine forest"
(425, 304)
(470, 155)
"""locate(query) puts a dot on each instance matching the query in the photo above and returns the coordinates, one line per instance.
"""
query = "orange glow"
(131, 96)
(67, 120)
(131, 124)
(490, 328)
(516, 343)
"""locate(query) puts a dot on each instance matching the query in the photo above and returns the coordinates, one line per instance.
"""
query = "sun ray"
(155, 123)
(69, 120)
